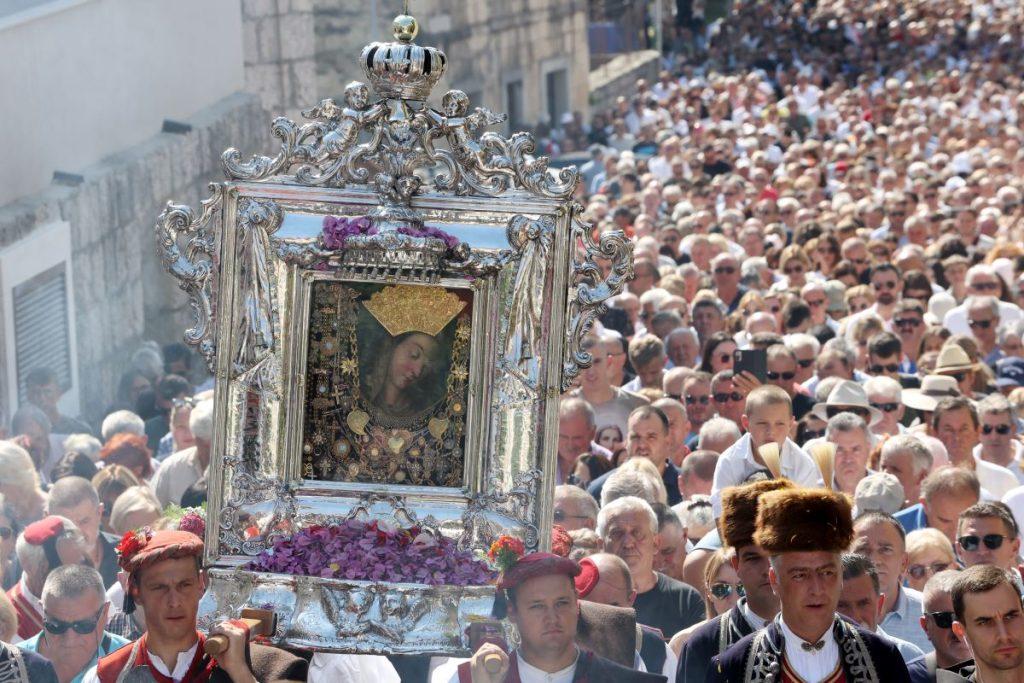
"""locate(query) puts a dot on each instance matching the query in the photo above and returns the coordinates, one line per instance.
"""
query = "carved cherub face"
(455, 103)
(357, 95)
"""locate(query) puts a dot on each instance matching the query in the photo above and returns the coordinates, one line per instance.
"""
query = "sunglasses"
(805, 362)
(886, 407)
(773, 376)
(958, 376)
(981, 324)
(722, 590)
(812, 434)
(942, 619)
(832, 411)
(815, 302)
(734, 396)
(883, 285)
(982, 286)
(971, 543)
(81, 627)
(919, 571)
(1001, 430)
(725, 270)
(561, 516)
(878, 368)
(906, 322)
(793, 271)
(703, 400)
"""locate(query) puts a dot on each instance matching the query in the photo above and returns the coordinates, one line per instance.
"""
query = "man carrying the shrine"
(804, 532)
(542, 603)
(165, 578)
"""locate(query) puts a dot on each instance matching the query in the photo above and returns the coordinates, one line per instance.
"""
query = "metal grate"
(41, 339)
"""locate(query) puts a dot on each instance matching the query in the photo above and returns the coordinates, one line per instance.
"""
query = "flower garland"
(337, 230)
(357, 550)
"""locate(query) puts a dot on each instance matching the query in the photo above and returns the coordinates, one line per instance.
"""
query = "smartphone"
(754, 361)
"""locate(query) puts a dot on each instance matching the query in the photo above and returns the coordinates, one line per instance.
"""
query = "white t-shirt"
(737, 463)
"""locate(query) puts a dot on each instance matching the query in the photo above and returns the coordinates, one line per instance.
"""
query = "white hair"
(86, 444)
(636, 478)
(200, 420)
(886, 386)
(922, 457)
(622, 506)
(586, 501)
(845, 422)
(16, 467)
(655, 296)
(717, 429)
(33, 557)
(122, 422)
(800, 340)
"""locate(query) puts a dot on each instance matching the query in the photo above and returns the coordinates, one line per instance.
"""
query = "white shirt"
(756, 622)
(737, 463)
(531, 674)
(815, 665)
(1015, 501)
(176, 474)
(181, 666)
(955, 319)
(1016, 466)
(338, 668)
(997, 479)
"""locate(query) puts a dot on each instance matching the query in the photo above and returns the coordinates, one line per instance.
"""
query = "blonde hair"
(134, 499)
(16, 467)
(764, 396)
(929, 538)
(8, 620)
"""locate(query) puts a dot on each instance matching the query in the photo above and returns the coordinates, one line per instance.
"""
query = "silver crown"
(403, 69)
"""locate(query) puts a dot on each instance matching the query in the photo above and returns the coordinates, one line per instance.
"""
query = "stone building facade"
(81, 285)
(526, 58)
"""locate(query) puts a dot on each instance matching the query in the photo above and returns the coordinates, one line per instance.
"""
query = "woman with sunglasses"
(795, 265)
(928, 552)
(718, 353)
(722, 587)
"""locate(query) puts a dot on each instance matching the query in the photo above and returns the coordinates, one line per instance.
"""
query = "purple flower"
(369, 551)
(336, 231)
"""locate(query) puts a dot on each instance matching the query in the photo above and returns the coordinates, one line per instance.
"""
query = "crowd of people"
(796, 454)
(825, 207)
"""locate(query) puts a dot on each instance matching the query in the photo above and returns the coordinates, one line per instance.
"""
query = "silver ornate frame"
(247, 263)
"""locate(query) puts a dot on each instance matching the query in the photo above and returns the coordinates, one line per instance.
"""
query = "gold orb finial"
(405, 28)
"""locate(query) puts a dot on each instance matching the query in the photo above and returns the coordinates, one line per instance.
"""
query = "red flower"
(505, 552)
(561, 541)
(132, 542)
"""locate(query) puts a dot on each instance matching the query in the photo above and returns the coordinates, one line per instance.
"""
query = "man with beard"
(937, 622)
(804, 532)
(759, 605)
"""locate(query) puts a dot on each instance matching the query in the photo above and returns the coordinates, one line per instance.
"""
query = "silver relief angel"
(338, 145)
(480, 159)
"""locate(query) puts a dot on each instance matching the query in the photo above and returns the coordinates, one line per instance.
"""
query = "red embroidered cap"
(38, 533)
(145, 546)
(537, 564)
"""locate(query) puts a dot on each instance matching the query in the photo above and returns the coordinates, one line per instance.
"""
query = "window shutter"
(41, 339)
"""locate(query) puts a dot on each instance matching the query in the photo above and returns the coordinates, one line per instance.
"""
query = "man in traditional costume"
(759, 605)
(42, 547)
(804, 532)
(20, 666)
(164, 577)
(542, 603)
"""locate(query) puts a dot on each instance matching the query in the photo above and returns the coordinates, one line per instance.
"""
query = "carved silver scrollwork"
(519, 503)
(390, 143)
(591, 288)
(532, 239)
(193, 267)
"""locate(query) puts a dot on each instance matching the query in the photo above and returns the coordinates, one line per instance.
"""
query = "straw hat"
(952, 358)
(847, 394)
(933, 389)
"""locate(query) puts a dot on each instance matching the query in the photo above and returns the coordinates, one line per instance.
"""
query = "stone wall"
(487, 44)
(278, 46)
(618, 77)
(122, 294)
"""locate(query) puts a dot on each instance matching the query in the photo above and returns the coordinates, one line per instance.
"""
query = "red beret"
(38, 533)
(144, 547)
(588, 577)
(538, 564)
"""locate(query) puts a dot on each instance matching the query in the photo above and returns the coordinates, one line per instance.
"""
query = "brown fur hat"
(804, 520)
(739, 510)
